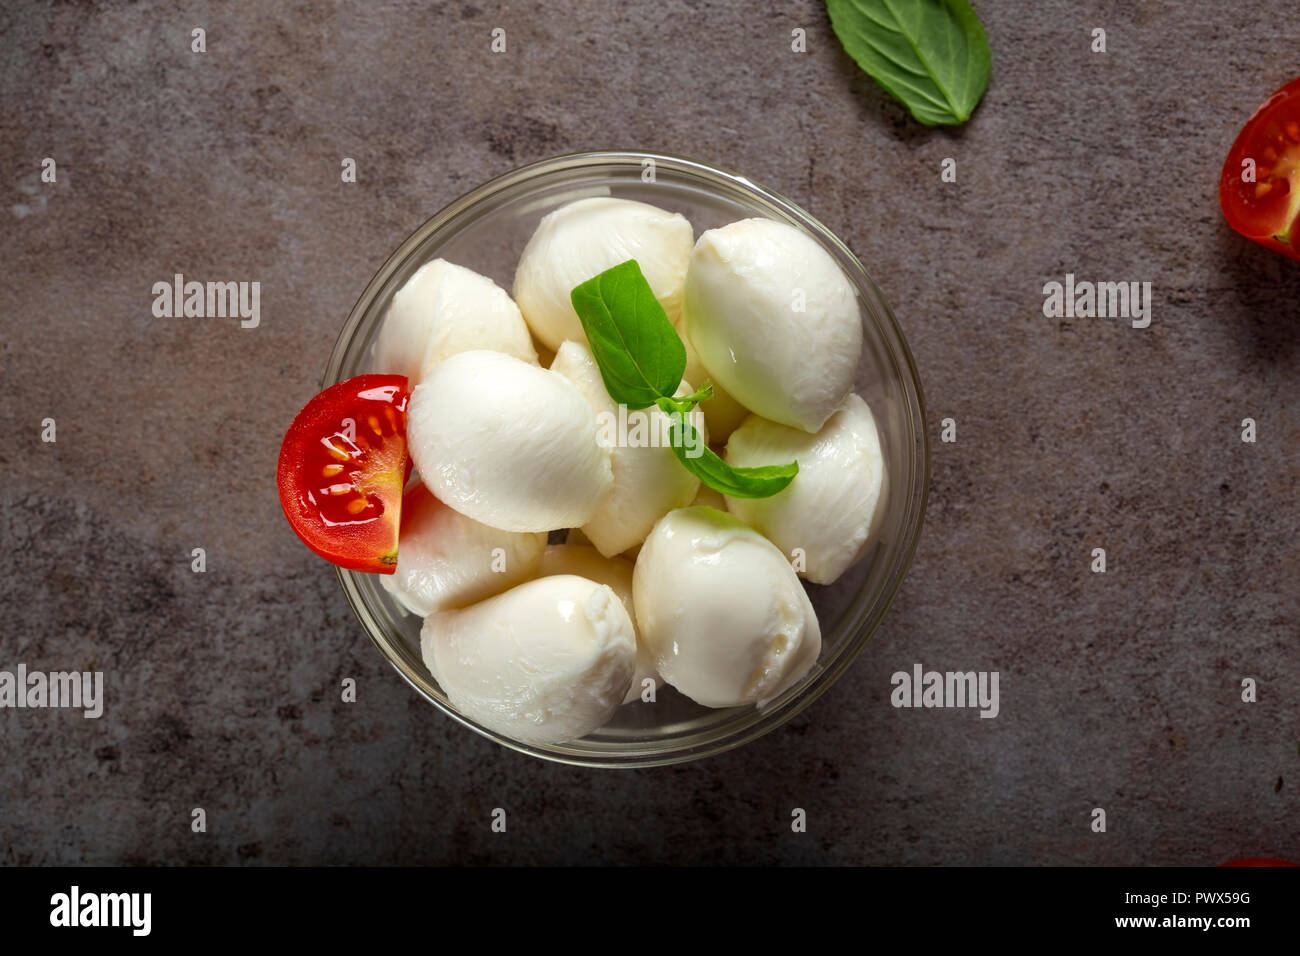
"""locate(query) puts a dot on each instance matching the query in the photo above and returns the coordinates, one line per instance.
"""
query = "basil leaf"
(931, 55)
(641, 361)
(684, 404)
(638, 351)
(701, 394)
(761, 482)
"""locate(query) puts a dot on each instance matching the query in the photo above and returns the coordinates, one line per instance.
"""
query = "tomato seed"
(336, 452)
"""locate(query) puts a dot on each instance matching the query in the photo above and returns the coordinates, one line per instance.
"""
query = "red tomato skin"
(1257, 861)
(1241, 210)
(347, 547)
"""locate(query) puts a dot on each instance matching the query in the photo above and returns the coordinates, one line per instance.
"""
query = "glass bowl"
(486, 230)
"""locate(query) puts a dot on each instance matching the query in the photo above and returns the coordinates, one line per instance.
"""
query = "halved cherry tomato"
(1259, 189)
(1257, 861)
(342, 468)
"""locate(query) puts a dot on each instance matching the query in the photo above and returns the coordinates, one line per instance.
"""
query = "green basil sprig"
(642, 360)
(930, 55)
(638, 351)
(761, 482)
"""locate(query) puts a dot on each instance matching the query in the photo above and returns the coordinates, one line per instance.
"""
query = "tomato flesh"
(1259, 188)
(342, 468)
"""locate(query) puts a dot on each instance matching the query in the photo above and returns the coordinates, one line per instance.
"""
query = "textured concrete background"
(1119, 690)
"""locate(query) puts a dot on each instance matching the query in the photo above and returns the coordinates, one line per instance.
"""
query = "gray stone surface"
(1118, 690)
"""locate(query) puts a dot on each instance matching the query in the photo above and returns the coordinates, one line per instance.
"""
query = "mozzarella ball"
(722, 413)
(446, 560)
(587, 562)
(444, 309)
(584, 238)
(709, 498)
(575, 536)
(774, 320)
(706, 497)
(649, 481)
(544, 662)
(724, 617)
(507, 443)
(830, 508)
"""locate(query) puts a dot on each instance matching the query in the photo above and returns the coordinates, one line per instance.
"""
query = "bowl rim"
(761, 722)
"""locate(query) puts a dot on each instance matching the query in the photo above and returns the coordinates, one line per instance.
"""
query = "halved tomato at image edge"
(1259, 189)
(1257, 861)
(342, 468)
